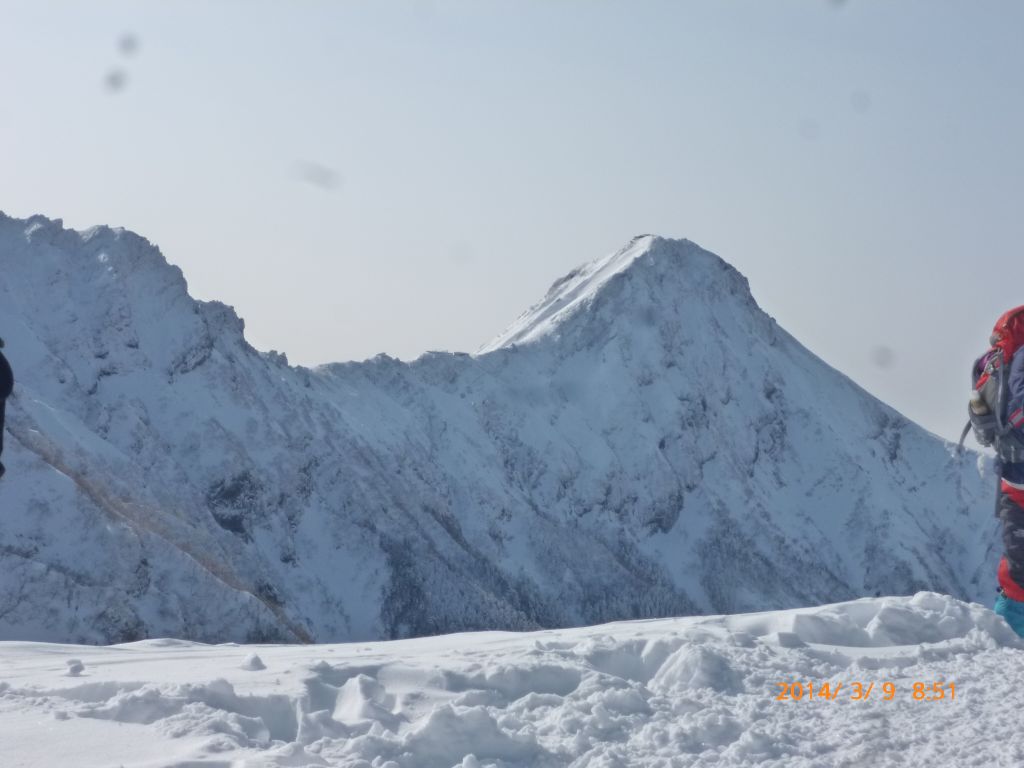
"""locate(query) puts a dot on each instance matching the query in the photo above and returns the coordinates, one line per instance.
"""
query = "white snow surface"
(645, 442)
(697, 691)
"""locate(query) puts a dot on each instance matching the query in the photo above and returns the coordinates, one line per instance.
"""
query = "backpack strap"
(1003, 426)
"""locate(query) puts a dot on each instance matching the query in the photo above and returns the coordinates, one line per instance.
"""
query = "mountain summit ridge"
(694, 267)
(644, 442)
(135, 257)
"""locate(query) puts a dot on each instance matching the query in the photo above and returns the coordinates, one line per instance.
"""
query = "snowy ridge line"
(585, 475)
(568, 295)
(124, 511)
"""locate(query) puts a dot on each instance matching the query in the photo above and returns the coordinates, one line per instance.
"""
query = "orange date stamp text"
(863, 691)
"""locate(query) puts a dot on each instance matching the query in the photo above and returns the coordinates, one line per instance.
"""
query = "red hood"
(1008, 333)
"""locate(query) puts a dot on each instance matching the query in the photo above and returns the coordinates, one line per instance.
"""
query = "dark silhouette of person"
(6, 387)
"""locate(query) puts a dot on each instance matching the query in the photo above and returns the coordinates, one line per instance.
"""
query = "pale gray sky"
(404, 176)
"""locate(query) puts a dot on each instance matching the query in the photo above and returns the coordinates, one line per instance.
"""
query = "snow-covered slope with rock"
(645, 442)
(648, 694)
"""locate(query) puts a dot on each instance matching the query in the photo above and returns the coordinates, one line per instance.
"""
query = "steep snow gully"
(644, 442)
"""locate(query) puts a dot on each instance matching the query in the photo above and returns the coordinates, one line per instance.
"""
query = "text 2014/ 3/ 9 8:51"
(858, 691)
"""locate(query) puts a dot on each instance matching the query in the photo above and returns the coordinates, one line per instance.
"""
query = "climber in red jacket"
(997, 417)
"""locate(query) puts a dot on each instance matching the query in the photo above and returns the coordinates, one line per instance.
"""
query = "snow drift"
(672, 692)
(644, 442)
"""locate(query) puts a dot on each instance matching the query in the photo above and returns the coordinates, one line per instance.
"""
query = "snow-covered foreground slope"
(645, 442)
(670, 692)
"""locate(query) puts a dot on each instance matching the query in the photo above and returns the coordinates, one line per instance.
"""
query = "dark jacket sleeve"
(1015, 390)
(6, 378)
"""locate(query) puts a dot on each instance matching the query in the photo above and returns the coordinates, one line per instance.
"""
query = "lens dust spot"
(319, 175)
(128, 45)
(883, 356)
(116, 80)
(809, 129)
(860, 101)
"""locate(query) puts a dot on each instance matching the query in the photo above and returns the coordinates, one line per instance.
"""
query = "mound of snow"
(679, 692)
(253, 663)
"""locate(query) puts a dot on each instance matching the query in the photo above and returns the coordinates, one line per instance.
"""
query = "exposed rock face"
(644, 442)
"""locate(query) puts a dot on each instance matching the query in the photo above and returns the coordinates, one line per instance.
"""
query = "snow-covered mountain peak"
(665, 272)
(658, 447)
(114, 291)
(96, 249)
